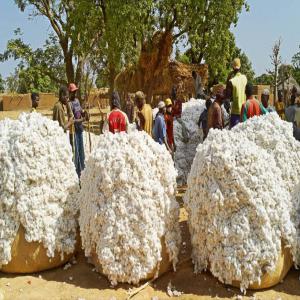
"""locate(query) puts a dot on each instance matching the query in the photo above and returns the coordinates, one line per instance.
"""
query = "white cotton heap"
(276, 136)
(188, 136)
(128, 206)
(38, 185)
(90, 141)
(240, 200)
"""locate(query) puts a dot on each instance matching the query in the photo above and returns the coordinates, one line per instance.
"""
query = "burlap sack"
(164, 266)
(284, 264)
(32, 257)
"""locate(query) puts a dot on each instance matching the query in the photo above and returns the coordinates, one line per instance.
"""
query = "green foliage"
(105, 36)
(38, 70)
(182, 57)
(264, 79)
(2, 84)
(296, 66)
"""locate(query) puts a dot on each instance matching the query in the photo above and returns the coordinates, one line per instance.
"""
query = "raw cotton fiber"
(276, 136)
(131, 183)
(188, 136)
(240, 203)
(38, 185)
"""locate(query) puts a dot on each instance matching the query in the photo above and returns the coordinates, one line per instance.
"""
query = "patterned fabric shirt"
(252, 108)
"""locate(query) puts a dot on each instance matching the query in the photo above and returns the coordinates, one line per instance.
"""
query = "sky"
(256, 32)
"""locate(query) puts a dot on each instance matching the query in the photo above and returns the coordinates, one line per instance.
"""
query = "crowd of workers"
(225, 107)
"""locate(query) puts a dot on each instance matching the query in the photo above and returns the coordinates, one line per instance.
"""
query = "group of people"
(160, 127)
(225, 107)
(234, 103)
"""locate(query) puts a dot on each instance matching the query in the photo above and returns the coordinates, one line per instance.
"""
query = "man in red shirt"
(169, 123)
(117, 120)
(251, 107)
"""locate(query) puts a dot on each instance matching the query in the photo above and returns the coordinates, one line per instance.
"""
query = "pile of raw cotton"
(187, 135)
(90, 141)
(38, 184)
(130, 210)
(241, 200)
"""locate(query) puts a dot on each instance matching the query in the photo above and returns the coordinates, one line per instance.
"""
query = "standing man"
(169, 124)
(198, 85)
(117, 120)
(251, 107)
(265, 96)
(236, 85)
(76, 137)
(59, 110)
(280, 106)
(144, 118)
(215, 117)
(35, 98)
(202, 123)
(160, 130)
(291, 110)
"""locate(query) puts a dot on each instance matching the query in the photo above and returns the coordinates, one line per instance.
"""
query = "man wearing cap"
(251, 107)
(215, 117)
(169, 120)
(144, 118)
(35, 98)
(160, 130)
(76, 134)
(235, 90)
(117, 120)
(265, 96)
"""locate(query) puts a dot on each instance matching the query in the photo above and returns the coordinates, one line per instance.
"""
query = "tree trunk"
(276, 84)
(111, 81)
(69, 67)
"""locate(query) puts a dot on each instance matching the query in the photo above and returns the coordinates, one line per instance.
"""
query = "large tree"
(77, 26)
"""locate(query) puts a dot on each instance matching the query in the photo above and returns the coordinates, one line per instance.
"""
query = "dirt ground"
(81, 282)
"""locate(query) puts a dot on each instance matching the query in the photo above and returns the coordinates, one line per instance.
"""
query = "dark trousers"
(78, 151)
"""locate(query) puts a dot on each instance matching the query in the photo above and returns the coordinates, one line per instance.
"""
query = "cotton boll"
(38, 185)
(186, 149)
(239, 207)
(131, 207)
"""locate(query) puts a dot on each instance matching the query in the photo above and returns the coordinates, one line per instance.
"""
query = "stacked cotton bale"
(188, 136)
(243, 203)
(38, 187)
(129, 221)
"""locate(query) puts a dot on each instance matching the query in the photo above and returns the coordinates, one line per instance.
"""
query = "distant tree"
(264, 79)
(2, 84)
(296, 66)
(38, 70)
(276, 62)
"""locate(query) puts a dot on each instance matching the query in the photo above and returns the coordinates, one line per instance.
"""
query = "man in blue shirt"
(160, 129)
